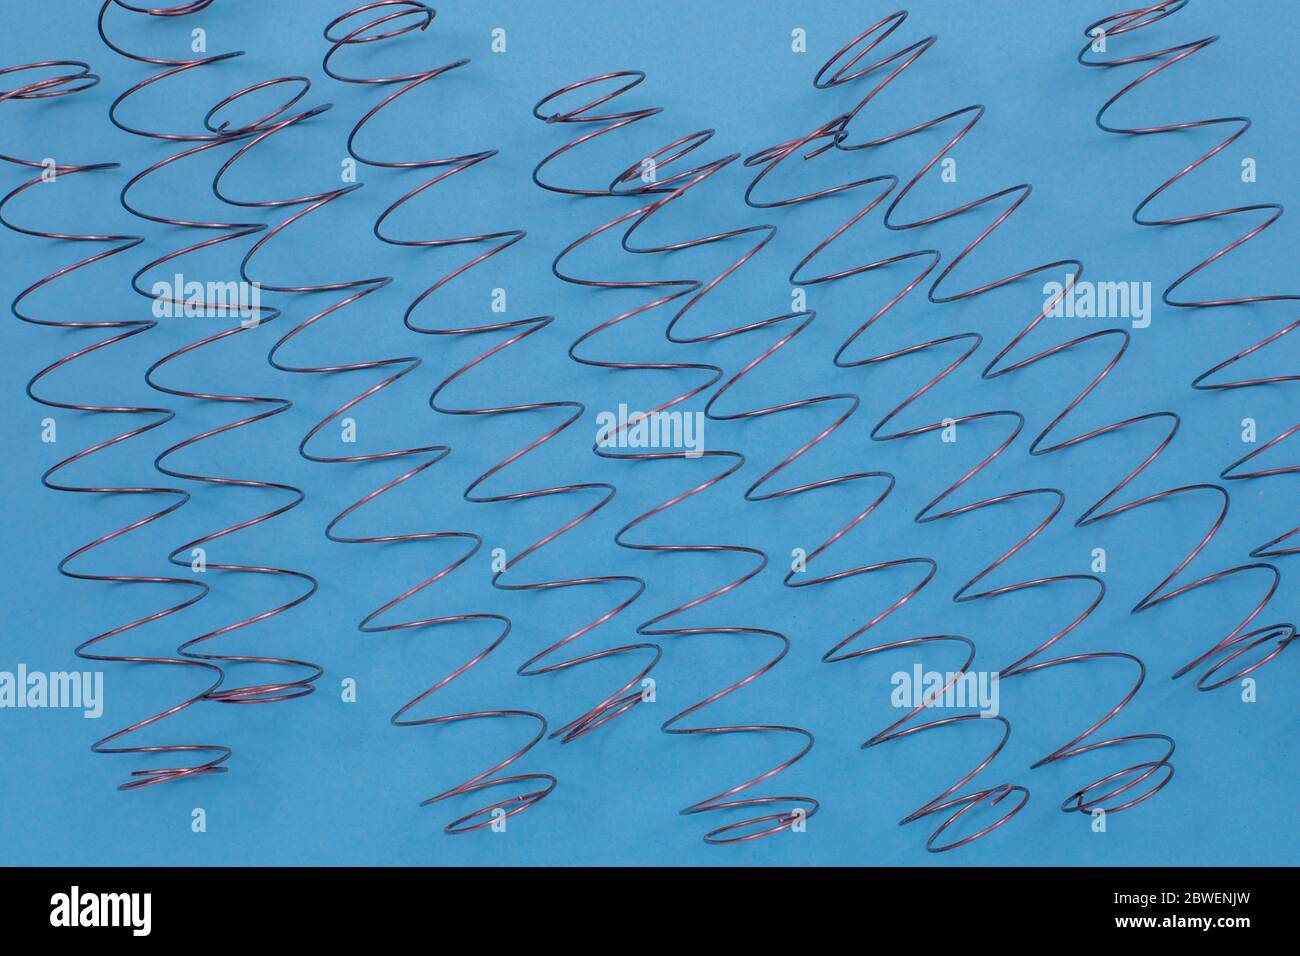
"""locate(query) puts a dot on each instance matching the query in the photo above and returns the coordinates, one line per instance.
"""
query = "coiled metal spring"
(788, 811)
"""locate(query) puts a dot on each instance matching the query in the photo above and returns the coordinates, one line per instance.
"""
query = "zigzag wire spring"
(792, 809)
(948, 800)
(304, 673)
(689, 179)
(1269, 549)
(174, 67)
(1239, 640)
(959, 805)
(393, 18)
(822, 139)
(74, 77)
(1114, 26)
(539, 785)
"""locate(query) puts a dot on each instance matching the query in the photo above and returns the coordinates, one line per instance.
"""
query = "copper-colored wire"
(389, 19)
(523, 789)
(1129, 21)
(1117, 791)
(73, 77)
(304, 673)
(1103, 508)
(786, 811)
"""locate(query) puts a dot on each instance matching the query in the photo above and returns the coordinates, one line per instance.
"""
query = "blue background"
(320, 781)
